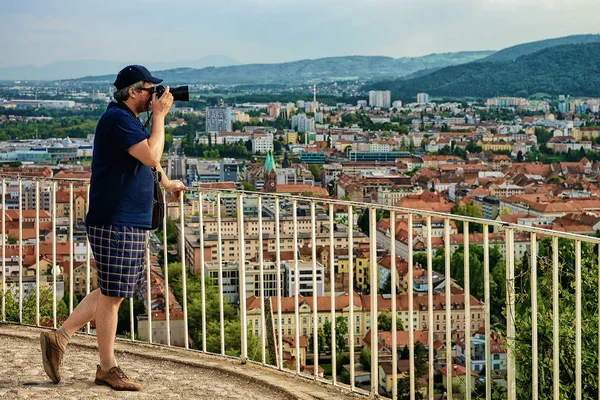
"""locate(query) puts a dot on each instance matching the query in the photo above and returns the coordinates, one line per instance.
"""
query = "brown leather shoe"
(52, 355)
(116, 379)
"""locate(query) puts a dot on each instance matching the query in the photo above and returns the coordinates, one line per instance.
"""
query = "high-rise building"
(274, 110)
(380, 98)
(218, 119)
(422, 98)
(397, 104)
(228, 170)
(303, 123)
(563, 104)
(319, 117)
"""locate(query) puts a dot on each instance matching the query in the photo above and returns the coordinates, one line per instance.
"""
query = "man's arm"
(149, 151)
(164, 180)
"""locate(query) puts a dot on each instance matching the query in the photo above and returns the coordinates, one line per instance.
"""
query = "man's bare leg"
(107, 317)
(83, 313)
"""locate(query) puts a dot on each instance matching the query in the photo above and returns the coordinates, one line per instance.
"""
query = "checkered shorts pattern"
(119, 252)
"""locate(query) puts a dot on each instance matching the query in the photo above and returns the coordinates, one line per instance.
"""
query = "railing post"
(3, 249)
(279, 283)
(374, 308)
(510, 314)
(296, 284)
(166, 268)
(148, 289)
(429, 303)
(54, 266)
(534, 325)
(71, 244)
(20, 251)
(37, 253)
(394, 305)
(578, 320)
(186, 337)
(242, 269)
(220, 262)
(263, 329)
(202, 272)
(448, 296)
(332, 293)
(555, 321)
(314, 283)
(351, 288)
(411, 322)
(486, 280)
(467, 297)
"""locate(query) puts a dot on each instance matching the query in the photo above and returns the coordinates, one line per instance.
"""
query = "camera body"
(180, 93)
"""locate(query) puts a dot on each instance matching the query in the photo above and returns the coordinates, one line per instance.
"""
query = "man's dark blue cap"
(132, 74)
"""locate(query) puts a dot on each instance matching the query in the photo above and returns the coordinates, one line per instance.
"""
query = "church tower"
(270, 177)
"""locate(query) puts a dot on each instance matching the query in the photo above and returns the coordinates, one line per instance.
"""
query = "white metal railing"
(511, 379)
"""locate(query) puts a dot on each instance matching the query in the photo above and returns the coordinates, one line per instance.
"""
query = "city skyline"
(262, 31)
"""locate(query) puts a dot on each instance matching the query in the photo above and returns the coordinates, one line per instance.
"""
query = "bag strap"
(157, 175)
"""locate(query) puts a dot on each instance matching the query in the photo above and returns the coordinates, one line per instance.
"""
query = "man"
(120, 213)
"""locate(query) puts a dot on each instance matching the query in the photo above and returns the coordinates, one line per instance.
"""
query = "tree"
(387, 285)
(231, 321)
(286, 162)
(404, 389)
(328, 141)
(316, 171)
(248, 186)
(365, 358)
(341, 330)
(384, 322)
(567, 303)
(520, 156)
(468, 210)
(554, 179)
(124, 321)
(29, 306)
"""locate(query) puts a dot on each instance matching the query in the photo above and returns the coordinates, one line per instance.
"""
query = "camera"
(180, 93)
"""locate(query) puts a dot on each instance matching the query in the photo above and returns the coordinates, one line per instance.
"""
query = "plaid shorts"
(119, 252)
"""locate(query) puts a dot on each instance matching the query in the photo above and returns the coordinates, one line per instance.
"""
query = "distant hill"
(572, 69)
(514, 52)
(304, 71)
(79, 68)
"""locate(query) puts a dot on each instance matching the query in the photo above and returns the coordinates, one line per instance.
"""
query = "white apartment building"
(262, 143)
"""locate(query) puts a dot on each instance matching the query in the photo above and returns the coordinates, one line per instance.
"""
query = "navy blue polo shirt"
(121, 187)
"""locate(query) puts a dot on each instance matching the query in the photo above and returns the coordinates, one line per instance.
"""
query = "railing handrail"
(238, 196)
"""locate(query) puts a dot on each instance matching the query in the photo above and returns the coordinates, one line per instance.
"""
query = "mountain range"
(568, 65)
(308, 71)
(79, 68)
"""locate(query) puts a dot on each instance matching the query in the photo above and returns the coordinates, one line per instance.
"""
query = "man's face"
(143, 97)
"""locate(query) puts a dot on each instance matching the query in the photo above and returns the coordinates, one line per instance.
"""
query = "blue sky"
(40, 32)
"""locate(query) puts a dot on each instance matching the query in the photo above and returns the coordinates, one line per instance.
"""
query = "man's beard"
(144, 107)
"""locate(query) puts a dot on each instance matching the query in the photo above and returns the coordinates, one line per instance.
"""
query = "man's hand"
(161, 107)
(175, 186)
